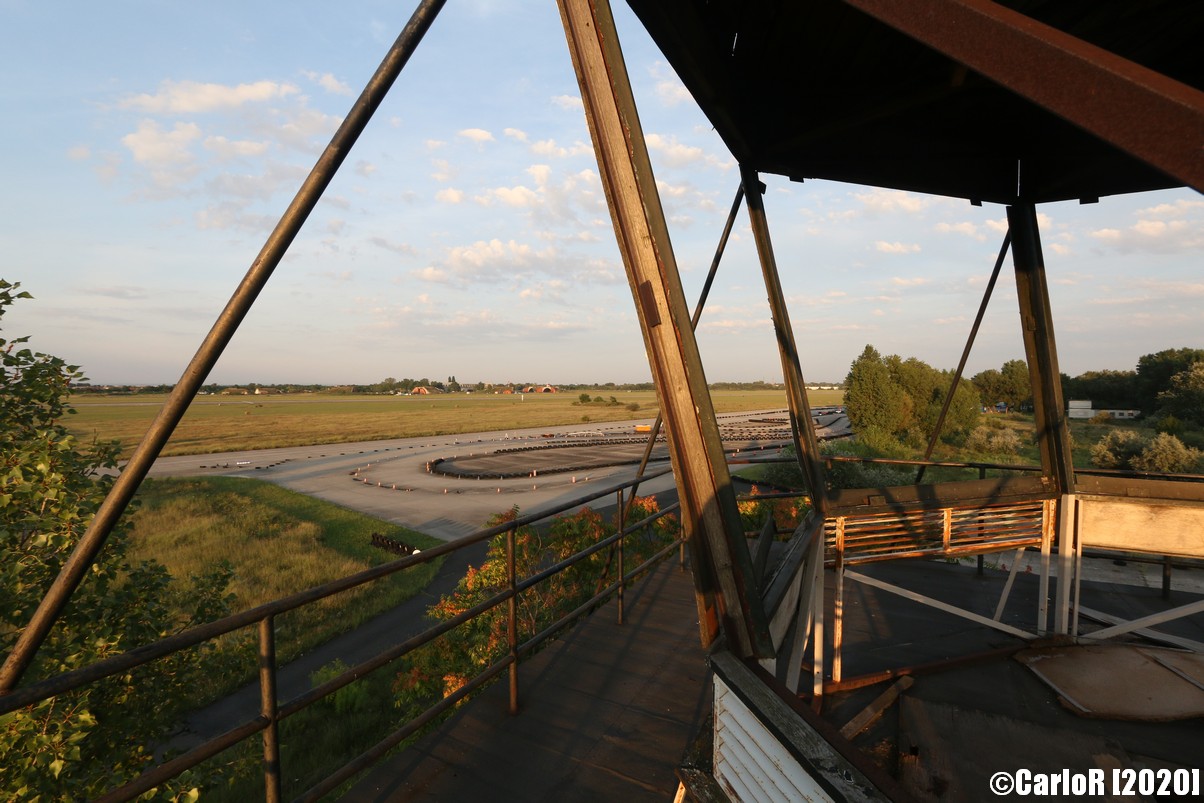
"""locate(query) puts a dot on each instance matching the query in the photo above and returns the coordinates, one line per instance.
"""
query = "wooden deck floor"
(607, 713)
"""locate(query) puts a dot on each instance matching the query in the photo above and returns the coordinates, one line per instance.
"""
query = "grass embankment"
(228, 423)
(277, 542)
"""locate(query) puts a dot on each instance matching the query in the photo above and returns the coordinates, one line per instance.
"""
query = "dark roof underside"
(819, 89)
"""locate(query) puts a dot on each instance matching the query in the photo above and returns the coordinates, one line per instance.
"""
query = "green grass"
(228, 423)
(278, 542)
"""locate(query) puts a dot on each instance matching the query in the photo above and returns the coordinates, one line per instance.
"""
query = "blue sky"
(149, 148)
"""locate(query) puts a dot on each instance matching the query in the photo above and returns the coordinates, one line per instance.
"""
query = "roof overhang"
(1024, 100)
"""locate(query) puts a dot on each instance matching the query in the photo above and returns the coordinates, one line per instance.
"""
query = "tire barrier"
(393, 545)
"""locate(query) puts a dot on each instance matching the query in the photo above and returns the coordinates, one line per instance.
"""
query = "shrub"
(1164, 453)
(994, 440)
(1167, 454)
(1117, 449)
(1102, 417)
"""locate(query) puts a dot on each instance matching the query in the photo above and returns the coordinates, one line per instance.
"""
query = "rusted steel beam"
(215, 342)
(1036, 323)
(1142, 112)
(723, 572)
(805, 443)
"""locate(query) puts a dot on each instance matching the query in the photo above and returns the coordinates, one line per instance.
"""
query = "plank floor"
(606, 714)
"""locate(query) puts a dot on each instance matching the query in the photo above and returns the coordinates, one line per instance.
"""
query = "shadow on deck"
(606, 714)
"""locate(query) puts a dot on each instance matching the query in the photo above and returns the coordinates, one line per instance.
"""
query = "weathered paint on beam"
(724, 577)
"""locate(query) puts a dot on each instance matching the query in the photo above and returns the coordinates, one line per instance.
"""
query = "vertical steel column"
(1036, 321)
(726, 592)
(805, 443)
(215, 342)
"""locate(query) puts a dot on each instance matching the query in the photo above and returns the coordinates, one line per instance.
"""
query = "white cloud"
(449, 195)
(966, 227)
(515, 133)
(912, 282)
(675, 153)
(477, 135)
(1154, 236)
(329, 83)
(669, 88)
(568, 102)
(1180, 207)
(878, 201)
(896, 247)
(191, 97)
(443, 170)
(521, 197)
(79, 152)
(226, 149)
(152, 144)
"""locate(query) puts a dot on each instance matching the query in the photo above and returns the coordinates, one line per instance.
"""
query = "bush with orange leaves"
(787, 513)
(445, 665)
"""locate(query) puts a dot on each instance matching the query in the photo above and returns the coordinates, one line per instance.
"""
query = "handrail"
(271, 711)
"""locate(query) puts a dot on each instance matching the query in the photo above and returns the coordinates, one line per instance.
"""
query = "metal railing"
(271, 711)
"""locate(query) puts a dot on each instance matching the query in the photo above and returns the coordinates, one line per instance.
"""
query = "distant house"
(235, 392)
(540, 389)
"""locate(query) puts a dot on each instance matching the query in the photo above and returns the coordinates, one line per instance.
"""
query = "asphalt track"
(448, 486)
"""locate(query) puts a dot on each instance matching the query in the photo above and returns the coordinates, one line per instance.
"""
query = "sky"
(148, 149)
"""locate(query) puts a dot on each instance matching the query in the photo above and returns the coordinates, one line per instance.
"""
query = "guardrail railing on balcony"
(271, 711)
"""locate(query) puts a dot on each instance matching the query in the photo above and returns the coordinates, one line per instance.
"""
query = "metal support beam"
(1142, 112)
(215, 342)
(723, 572)
(1036, 322)
(805, 443)
(961, 366)
(698, 307)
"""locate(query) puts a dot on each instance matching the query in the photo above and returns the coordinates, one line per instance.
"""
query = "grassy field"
(277, 542)
(228, 423)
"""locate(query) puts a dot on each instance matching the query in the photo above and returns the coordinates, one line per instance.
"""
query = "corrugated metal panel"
(749, 762)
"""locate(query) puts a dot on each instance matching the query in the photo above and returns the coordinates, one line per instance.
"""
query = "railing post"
(622, 538)
(512, 614)
(982, 475)
(267, 709)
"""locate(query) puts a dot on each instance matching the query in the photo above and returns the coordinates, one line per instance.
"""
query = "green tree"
(1154, 372)
(896, 399)
(873, 401)
(75, 746)
(1184, 396)
(1106, 390)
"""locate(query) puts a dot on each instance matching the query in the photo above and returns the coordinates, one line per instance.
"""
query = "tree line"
(894, 403)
